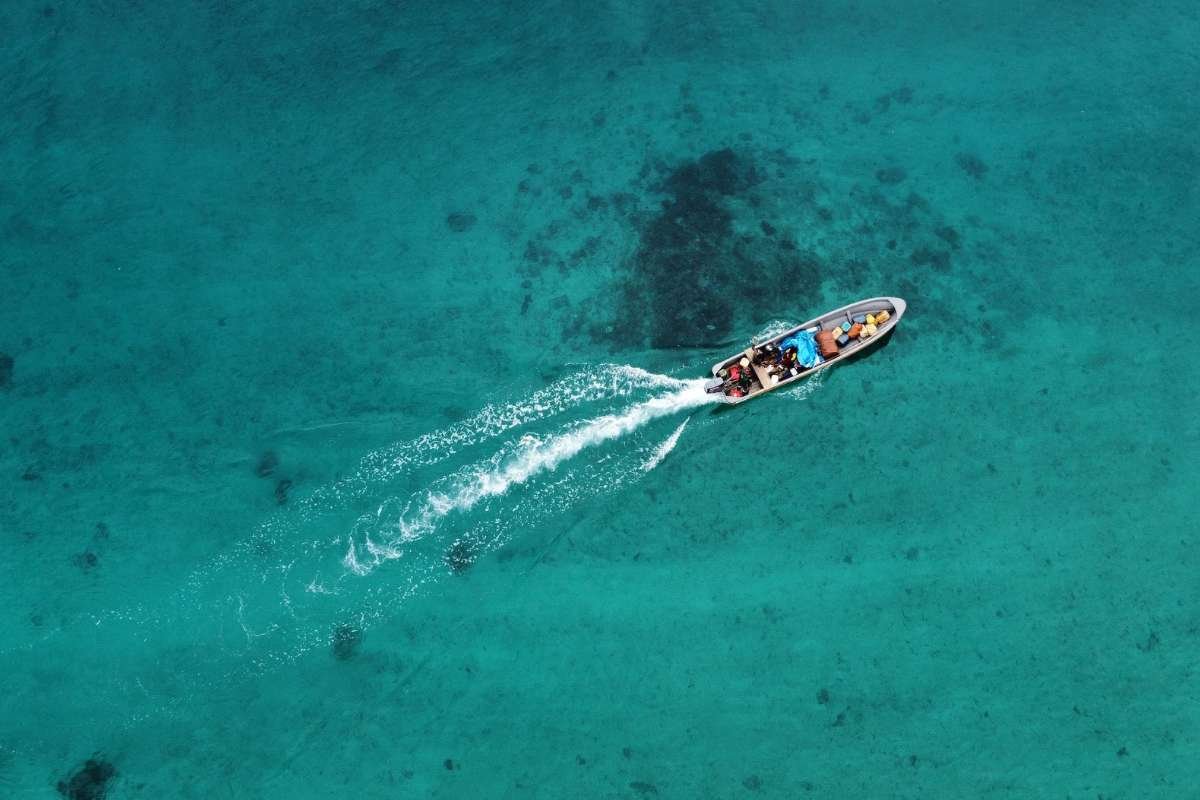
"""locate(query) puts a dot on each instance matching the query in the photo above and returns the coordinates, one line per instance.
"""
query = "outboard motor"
(715, 385)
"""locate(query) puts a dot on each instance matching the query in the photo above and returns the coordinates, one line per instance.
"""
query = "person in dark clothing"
(767, 354)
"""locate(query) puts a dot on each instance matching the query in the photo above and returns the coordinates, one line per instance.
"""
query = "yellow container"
(882, 316)
(870, 319)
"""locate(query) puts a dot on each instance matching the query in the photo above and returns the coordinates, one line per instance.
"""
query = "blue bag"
(806, 348)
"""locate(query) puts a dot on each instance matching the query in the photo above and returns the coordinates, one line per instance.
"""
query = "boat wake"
(350, 554)
(513, 465)
(666, 447)
(420, 510)
(771, 330)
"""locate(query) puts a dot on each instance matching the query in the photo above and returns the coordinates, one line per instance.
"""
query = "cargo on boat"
(806, 349)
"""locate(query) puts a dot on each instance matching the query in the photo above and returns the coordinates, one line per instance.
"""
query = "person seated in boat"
(730, 375)
(740, 376)
(737, 380)
(790, 365)
(767, 354)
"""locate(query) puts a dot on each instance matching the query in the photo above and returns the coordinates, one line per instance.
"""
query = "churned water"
(355, 442)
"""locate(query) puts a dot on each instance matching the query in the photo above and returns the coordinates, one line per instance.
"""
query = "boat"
(832, 337)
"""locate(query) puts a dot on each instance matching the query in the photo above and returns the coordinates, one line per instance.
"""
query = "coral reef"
(460, 556)
(972, 165)
(460, 221)
(684, 262)
(90, 781)
(742, 236)
(86, 561)
(267, 463)
(346, 641)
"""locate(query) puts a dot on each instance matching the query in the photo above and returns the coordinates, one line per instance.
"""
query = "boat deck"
(763, 381)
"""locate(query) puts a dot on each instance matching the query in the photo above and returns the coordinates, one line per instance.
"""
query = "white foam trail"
(666, 447)
(771, 330)
(533, 455)
(608, 381)
(284, 589)
(375, 470)
(805, 388)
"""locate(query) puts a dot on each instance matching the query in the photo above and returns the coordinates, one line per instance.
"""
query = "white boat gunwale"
(895, 307)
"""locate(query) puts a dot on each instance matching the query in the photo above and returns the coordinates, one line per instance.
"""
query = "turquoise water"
(352, 439)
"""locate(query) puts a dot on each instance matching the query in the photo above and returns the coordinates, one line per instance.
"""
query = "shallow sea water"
(352, 439)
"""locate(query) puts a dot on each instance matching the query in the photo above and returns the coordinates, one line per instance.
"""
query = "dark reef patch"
(743, 235)
(86, 561)
(722, 172)
(6, 370)
(267, 463)
(972, 165)
(346, 641)
(927, 256)
(461, 556)
(89, 782)
(584, 252)
(460, 221)
(686, 275)
(282, 489)
(949, 235)
(903, 95)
